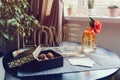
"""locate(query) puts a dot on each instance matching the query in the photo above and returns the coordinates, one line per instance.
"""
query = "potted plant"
(91, 7)
(69, 9)
(90, 4)
(15, 21)
(113, 9)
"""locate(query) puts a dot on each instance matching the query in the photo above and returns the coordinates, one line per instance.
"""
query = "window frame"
(106, 2)
(81, 8)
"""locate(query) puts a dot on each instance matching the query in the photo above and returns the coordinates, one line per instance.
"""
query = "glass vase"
(88, 41)
(91, 12)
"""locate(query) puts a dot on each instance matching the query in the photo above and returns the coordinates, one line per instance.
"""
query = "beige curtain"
(35, 8)
(46, 9)
(55, 17)
(49, 13)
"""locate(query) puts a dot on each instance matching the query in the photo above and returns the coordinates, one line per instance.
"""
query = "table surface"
(86, 75)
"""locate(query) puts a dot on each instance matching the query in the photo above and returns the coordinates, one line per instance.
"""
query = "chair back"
(45, 36)
(30, 39)
(71, 32)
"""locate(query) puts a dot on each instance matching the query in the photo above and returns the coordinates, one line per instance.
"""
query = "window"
(80, 7)
(103, 2)
(69, 3)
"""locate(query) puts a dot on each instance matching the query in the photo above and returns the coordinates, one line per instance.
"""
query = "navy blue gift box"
(37, 66)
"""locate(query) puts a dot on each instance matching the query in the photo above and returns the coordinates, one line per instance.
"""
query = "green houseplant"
(69, 9)
(91, 7)
(113, 10)
(14, 20)
(113, 6)
(90, 4)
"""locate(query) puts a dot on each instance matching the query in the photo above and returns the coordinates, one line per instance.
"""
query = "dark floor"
(115, 76)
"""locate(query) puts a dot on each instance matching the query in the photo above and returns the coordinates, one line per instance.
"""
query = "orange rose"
(97, 26)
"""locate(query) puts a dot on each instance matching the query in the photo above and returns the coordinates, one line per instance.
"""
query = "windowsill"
(107, 19)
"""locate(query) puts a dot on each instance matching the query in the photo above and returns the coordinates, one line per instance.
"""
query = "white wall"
(108, 38)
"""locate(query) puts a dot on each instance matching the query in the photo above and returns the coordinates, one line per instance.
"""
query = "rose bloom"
(97, 26)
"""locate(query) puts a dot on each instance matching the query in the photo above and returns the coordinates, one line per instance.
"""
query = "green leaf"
(13, 22)
(25, 3)
(22, 16)
(18, 19)
(2, 22)
(6, 35)
(32, 16)
(36, 22)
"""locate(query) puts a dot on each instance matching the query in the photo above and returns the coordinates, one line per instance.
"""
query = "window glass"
(104, 2)
(79, 7)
